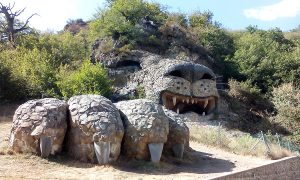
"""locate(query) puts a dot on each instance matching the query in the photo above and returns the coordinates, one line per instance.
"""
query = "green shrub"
(243, 91)
(64, 48)
(286, 99)
(88, 79)
(31, 71)
(266, 58)
(140, 92)
(9, 86)
(121, 19)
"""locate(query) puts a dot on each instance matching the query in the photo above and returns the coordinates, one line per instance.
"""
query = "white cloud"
(284, 8)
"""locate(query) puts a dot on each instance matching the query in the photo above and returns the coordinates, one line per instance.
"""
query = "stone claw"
(178, 150)
(45, 146)
(102, 150)
(155, 151)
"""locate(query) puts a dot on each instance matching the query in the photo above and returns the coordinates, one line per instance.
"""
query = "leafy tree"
(32, 70)
(177, 18)
(64, 48)
(215, 39)
(75, 26)
(264, 58)
(121, 20)
(202, 19)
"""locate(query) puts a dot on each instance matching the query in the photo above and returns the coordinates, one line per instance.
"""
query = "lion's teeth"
(188, 100)
(193, 101)
(177, 110)
(203, 114)
(174, 100)
(205, 103)
(183, 100)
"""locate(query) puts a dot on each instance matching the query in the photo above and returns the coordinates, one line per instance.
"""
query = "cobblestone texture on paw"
(93, 118)
(39, 118)
(145, 123)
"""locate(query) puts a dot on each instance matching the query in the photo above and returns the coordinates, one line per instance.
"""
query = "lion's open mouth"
(182, 104)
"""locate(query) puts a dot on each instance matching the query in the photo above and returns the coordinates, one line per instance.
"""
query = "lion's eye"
(128, 63)
(176, 73)
(207, 76)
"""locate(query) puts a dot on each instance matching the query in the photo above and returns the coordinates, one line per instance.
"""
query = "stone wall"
(287, 168)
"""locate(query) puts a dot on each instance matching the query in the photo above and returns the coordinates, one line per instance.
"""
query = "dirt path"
(202, 163)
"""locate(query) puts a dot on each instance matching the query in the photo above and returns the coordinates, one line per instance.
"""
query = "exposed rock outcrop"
(96, 129)
(146, 129)
(39, 126)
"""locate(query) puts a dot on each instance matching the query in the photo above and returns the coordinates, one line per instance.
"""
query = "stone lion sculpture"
(99, 130)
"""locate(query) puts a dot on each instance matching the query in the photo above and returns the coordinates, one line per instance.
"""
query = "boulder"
(96, 129)
(39, 126)
(146, 129)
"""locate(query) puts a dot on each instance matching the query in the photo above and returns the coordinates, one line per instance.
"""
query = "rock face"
(39, 126)
(146, 129)
(96, 129)
(178, 138)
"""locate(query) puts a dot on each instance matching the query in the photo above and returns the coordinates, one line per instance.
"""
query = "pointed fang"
(205, 104)
(174, 100)
(193, 101)
(203, 114)
(177, 110)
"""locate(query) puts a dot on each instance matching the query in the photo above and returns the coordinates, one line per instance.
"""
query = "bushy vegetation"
(252, 108)
(34, 69)
(266, 58)
(286, 99)
(122, 21)
(88, 79)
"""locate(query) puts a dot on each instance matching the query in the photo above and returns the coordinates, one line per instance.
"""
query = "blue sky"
(232, 14)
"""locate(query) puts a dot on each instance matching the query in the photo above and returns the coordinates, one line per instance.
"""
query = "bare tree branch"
(26, 23)
(17, 13)
(10, 26)
(11, 7)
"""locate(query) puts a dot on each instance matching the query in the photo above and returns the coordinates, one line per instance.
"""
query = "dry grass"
(4, 134)
(241, 144)
(7, 112)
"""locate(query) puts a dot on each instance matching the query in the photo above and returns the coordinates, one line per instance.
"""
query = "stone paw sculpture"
(96, 129)
(178, 137)
(39, 126)
(146, 129)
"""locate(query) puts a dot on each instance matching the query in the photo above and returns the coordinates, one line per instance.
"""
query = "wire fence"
(266, 139)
